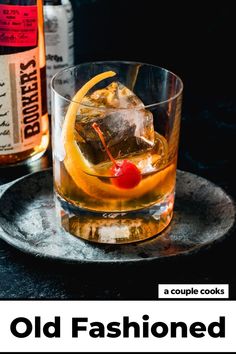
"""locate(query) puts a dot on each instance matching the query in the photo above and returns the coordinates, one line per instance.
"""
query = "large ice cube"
(127, 126)
(115, 95)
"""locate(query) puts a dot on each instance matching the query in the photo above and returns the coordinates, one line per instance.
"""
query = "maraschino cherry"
(126, 174)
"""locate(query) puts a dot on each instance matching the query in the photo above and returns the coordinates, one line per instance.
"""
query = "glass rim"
(152, 105)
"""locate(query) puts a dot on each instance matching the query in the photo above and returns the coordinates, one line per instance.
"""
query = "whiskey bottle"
(24, 131)
(59, 39)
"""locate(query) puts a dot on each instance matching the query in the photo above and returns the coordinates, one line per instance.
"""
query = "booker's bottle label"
(18, 25)
(20, 102)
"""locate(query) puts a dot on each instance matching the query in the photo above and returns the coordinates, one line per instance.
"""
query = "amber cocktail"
(115, 143)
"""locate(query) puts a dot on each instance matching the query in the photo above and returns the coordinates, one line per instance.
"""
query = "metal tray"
(204, 213)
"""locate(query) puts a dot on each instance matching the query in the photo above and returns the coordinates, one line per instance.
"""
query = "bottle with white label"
(23, 108)
(59, 38)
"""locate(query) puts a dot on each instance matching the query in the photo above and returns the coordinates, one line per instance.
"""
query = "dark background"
(196, 40)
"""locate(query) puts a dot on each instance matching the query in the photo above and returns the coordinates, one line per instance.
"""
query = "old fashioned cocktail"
(115, 142)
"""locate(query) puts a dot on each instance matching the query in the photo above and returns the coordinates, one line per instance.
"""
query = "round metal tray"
(203, 214)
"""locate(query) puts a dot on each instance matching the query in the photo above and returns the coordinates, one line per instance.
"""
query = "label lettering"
(20, 102)
(31, 130)
(30, 102)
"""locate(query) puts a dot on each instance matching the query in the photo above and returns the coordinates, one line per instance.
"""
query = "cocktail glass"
(115, 143)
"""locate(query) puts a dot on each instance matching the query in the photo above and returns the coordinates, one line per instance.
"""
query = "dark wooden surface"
(23, 276)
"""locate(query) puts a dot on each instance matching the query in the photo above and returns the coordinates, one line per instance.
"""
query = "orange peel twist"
(79, 168)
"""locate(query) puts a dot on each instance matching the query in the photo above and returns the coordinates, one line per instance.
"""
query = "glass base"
(115, 228)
